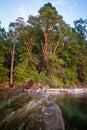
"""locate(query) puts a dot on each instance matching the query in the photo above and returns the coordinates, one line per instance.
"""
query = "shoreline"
(48, 91)
(67, 91)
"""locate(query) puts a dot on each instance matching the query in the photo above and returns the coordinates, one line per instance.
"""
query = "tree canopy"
(46, 49)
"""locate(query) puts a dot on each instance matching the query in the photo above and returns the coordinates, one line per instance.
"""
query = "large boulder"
(52, 118)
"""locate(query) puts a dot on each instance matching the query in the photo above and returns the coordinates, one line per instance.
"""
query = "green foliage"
(59, 81)
(82, 68)
(70, 76)
(43, 78)
(48, 13)
(3, 73)
(62, 62)
(24, 73)
(81, 29)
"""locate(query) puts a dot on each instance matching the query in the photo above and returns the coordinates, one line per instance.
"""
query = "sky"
(71, 10)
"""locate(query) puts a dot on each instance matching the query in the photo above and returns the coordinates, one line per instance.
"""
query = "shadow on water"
(74, 111)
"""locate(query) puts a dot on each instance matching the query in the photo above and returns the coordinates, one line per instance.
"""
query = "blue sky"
(71, 10)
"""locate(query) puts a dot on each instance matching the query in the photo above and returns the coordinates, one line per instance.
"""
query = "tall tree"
(14, 34)
(4, 51)
(81, 32)
(81, 29)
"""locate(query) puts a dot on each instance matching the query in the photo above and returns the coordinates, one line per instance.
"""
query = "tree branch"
(28, 50)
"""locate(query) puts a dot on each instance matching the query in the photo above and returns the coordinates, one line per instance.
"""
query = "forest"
(44, 49)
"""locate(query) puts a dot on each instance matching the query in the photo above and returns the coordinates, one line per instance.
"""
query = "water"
(74, 111)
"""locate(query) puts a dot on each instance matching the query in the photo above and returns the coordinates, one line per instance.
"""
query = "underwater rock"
(52, 118)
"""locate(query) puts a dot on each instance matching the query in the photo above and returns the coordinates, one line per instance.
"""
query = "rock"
(34, 111)
(52, 118)
(35, 85)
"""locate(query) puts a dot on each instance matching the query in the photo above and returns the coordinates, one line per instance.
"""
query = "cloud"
(58, 2)
(22, 12)
(64, 7)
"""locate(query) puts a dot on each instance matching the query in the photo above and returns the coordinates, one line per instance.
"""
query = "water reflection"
(74, 109)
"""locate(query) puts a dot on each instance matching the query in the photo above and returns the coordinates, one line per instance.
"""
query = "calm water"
(74, 111)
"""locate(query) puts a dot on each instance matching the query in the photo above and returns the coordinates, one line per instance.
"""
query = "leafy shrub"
(3, 73)
(42, 78)
(59, 81)
(70, 76)
(24, 73)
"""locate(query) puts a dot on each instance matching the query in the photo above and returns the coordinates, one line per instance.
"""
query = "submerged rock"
(35, 111)
(52, 118)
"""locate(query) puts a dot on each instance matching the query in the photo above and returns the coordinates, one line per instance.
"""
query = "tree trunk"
(12, 65)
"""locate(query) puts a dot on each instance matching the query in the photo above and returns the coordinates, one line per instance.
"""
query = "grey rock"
(34, 111)
(52, 118)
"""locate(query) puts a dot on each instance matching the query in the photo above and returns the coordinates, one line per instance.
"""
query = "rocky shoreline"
(67, 91)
